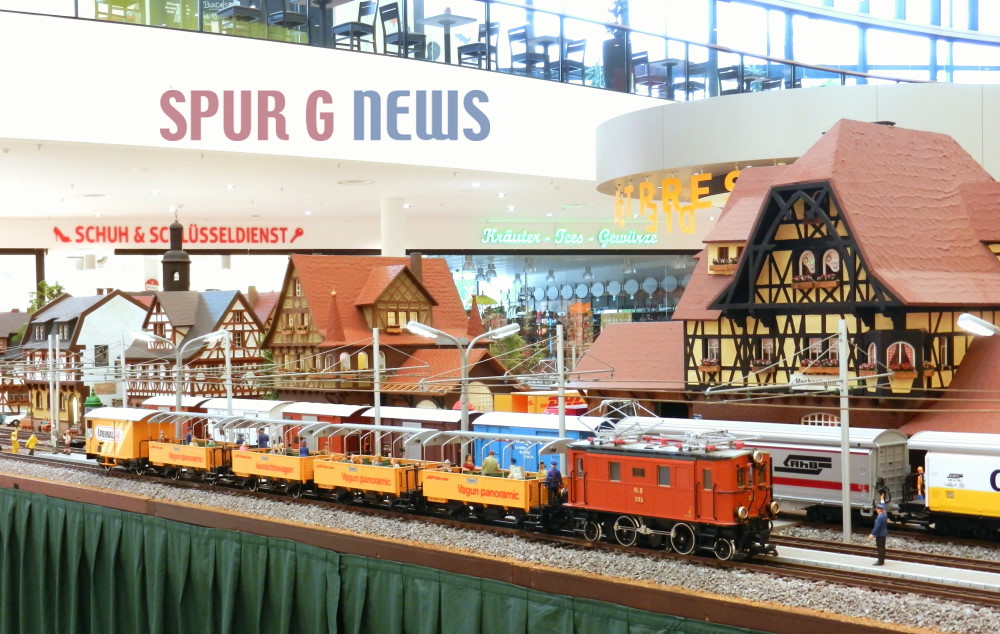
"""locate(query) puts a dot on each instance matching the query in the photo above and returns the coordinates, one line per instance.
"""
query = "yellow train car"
(120, 436)
(465, 493)
(368, 478)
(176, 460)
(258, 469)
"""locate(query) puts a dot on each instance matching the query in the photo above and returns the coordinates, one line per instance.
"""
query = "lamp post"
(422, 330)
(211, 337)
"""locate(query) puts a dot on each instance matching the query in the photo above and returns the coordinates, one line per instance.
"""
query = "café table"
(446, 21)
(544, 42)
(323, 5)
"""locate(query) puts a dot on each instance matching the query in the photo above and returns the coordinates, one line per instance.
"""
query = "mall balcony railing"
(548, 45)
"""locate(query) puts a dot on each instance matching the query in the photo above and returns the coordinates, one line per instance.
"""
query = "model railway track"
(761, 565)
(928, 559)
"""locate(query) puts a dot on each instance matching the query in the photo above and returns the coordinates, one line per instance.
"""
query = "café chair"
(572, 64)
(730, 74)
(692, 80)
(476, 53)
(393, 35)
(360, 31)
(280, 13)
(239, 12)
(523, 54)
(644, 75)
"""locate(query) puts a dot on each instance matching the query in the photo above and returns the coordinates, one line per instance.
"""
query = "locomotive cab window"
(615, 471)
(663, 476)
(706, 478)
(740, 479)
(638, 472)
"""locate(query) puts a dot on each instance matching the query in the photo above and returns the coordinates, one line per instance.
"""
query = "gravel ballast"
(904, 610)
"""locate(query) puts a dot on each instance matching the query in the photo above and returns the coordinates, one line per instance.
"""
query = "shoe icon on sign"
(60, 235)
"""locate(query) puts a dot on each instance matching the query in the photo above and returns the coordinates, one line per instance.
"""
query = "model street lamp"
(209, 338)
(422, 330)
(977, 326)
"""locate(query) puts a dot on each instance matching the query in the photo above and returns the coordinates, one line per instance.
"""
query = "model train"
(948, 482)
(704, 493)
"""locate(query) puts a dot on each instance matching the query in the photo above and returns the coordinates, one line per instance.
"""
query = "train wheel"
(139, 468)
(252, 483)
(626, 530)
(175, 474)
(592, 531)
(294, 490)
(682, 538)
(108, 466)
(724, 549)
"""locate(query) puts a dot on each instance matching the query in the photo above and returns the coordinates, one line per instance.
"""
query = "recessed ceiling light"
(407, 205)
(98, 215)
(510, 207)
(549, 214)
(355, 181)
(501, 195)
(230, 186)
(154, 193)
(477, 184)
(308, 213)
(94, 196)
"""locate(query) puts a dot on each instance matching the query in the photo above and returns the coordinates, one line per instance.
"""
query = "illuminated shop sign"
(193, 234)
(669, 200)
(604, 238)
(400, 115)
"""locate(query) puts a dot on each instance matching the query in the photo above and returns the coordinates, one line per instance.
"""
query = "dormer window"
(64, 332)
(39, 332)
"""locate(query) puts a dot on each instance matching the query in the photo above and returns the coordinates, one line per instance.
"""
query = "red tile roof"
(745, 202)
(441, 364)
(899, 192)
(343, 322)
(970, 404)
(917, 204)
(638, 356)
(700, 292)
(265, 305)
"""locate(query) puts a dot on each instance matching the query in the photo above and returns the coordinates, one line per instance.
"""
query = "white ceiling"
(45, 179)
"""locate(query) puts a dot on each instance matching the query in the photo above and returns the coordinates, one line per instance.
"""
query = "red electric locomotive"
(703, 492)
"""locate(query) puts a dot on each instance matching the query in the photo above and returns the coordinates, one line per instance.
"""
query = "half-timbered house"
(87, 333)
(176, 318)
(13, 393)
(322, 338)
(894, 230)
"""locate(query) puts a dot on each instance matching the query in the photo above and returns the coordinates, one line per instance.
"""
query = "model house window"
(298, 287)
(63, 332)
(101, 356)
(237, 339)
(712, 348)
(943, 346)
(831, 262)
(663, 476)
(900, 356)
(766, 348)
(345, 362)
(615, 471)
(821, 419)
(807, 264)
(159, 329)
(39, 332)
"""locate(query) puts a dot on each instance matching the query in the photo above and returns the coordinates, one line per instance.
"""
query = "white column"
(393, 227)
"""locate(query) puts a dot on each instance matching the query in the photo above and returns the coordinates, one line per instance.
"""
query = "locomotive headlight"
(742, 512)
(757, 456)
(775, 507)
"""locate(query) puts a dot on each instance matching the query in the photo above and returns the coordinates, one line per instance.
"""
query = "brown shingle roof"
(971, 403)
(744, 204)
(349, 275)
(899, 191)
(982, 203)
(643, 356)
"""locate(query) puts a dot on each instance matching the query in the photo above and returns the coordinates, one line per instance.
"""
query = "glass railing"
(534, 42)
